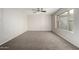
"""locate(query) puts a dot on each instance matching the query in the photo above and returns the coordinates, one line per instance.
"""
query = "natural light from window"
(66, 20)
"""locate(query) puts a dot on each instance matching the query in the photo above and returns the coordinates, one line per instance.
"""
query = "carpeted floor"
(37, 40)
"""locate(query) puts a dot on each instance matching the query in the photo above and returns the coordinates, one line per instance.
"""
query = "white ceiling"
(29, 11)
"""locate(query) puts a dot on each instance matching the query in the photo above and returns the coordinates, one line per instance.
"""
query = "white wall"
(1, 26)
(71, 37)
(39, 22)
(14, 23)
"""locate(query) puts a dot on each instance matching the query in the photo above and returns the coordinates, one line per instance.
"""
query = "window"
(66, 20)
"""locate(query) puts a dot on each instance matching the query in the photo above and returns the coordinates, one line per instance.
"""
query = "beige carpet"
(38, 41)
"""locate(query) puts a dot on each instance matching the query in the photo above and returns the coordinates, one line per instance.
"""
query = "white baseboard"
(11, 38)
(66, 38)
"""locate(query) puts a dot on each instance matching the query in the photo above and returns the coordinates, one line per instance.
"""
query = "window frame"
(57, 20)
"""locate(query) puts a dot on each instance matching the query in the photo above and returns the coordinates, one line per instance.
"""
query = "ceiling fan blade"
(43, 11)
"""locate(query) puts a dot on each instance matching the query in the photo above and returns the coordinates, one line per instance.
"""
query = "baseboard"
(40, 30)
(65, 38)
(11, 39)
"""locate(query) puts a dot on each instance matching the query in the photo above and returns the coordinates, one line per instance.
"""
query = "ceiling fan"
(36, 10)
